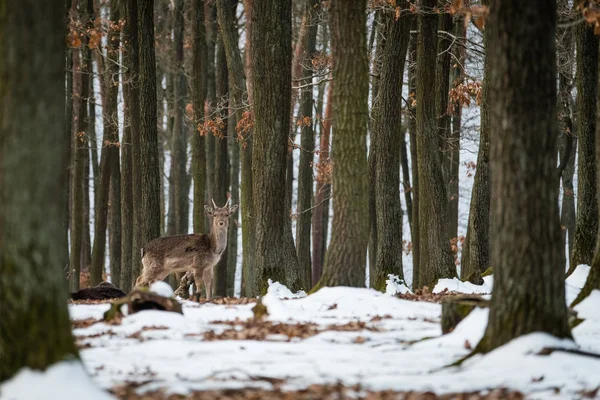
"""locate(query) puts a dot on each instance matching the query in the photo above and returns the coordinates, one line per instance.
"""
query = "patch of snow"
(85, 311)
(458, 286)
(395, 285)
(589, 307)
(575, 282)
(161, 288)
(65, 380)
(282, 292)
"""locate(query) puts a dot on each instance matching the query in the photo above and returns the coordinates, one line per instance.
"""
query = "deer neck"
(218, 240)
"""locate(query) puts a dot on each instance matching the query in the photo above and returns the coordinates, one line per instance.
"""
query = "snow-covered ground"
(346, 335)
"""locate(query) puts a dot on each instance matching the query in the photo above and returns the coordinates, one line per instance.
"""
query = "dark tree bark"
(321, 211)
(237, 85)
(527, 237)
(307, 145)
(271, 68)
(109, 158)
(178, 174)
(386, 132)
(32, 183)
(68, 112)
(211, 96)
(346, 255)
(149, 163)
(414, 159)
(434, 242)
(126, 175)
(199, 68)
(443, 87)
(476, 247)
(586, 225)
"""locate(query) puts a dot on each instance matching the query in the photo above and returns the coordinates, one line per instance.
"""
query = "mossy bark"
(586, 225)
(529, 290)
(35, 329)
(436, 260)
(386, 123)
(346, 256)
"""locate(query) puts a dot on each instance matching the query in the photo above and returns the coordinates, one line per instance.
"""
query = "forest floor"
(337, 343)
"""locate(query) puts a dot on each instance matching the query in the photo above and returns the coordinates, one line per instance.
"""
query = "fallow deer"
(198, 253)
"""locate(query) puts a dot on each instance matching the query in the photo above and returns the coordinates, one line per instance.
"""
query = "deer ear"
(233, 208)
(209, 211)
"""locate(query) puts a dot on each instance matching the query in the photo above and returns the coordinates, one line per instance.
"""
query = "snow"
(575, 282)
(282, 292)
(161, 288)
(456, 285)
(400, 347)
(395, 285)
(66, 380)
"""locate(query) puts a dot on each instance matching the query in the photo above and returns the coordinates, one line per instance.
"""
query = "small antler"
(228, 201)
(214, 205)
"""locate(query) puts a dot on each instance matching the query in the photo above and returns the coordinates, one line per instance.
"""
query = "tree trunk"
(386, 123)
(32, 183)
(211, 98)
(526, 241)
(321, 211)
(307, 147)
(199, 67)
(236, 74)
(149, 168)
(110, 150)
(476, 247)
(414, 166)
(443, 87)
(434, 241)
(346, 255)
(125, 279)
(586, 225)
(271, 68)
(68, 112)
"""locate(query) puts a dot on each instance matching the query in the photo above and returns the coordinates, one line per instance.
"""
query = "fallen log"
(102, 291)
(139, 300)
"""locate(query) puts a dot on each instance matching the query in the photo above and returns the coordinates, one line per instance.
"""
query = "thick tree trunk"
(434, 241)
(68, 112)
(443, 87)
(211, 98)
(307, 145)
(271, 68)
(149, 163)
(586, 225)
(526, 241)
(476, 247)
(125, 279)
(346, 255)
(110, 150)
(32, 183)
(199, 68)
(386, 123)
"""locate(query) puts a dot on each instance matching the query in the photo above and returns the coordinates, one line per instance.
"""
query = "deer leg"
(207, 275)
(197, 282)
(152, 271)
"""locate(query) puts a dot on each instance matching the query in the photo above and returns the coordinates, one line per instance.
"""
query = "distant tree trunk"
(32, 183)
(346, 255)
(68, 112)
(453, 155)
(476, 247)
(125, 279)
(199, 68)
(586, 225)
(109, 158)
(149, 163)
(443, 87)
(434, 241)
(115, 221)
(237, 85)
(307, 145)
(220, 184)
(386, 123)
(321, 211)
(526, 241)
(211, 97)
(567, 138)
(414, 167)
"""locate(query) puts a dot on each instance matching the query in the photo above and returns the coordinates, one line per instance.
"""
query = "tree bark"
(346, 255)
(586, 224)
(149, 163)
(476, 247)
(307, 147)
(386, 132)
(434, 241)
(271, 68)
(527, 236)
(443, 87)
(199, 68)
(32, 182)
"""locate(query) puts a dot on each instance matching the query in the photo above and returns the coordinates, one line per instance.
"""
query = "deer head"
(220, 216)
